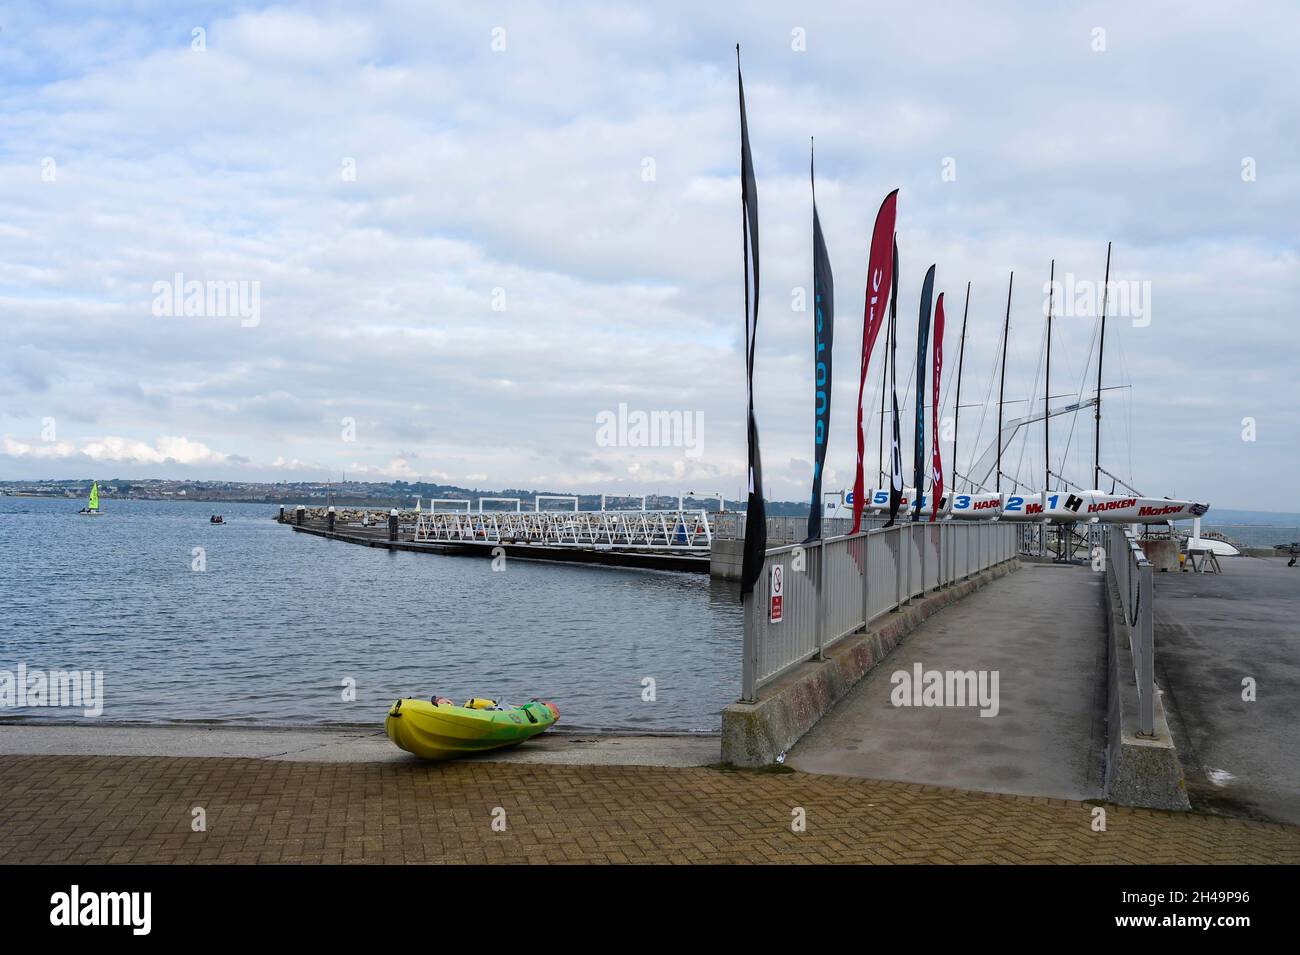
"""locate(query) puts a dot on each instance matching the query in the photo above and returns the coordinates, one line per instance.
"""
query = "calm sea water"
(269, 632)
(1256, 535)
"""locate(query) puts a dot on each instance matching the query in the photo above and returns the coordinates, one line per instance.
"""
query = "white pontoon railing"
(680, 531)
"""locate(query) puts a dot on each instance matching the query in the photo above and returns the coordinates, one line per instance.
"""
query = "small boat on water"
(92, 506)
(216, 519)
(438, 729)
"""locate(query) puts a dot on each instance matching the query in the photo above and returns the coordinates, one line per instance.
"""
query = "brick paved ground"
(138, 809)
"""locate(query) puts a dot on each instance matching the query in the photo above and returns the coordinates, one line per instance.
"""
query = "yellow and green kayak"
(444, 731)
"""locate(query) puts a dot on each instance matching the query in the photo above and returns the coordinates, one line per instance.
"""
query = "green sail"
(94, 496)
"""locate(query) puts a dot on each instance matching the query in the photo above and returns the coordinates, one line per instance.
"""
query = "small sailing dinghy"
(438, 729)
(92, 506)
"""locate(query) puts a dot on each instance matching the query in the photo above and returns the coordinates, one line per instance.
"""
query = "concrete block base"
(755, 734)
(726, 558)
(1163, 554)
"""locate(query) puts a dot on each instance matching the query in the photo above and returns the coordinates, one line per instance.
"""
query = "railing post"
(1146, 647)
(821, 597)
(945, 564)
(866, 580)
(898, 565)
(922, 547)
(952, 553)
(905, 563)
(749, 650)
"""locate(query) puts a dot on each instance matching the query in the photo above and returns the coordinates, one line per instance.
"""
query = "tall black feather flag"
(823, 338)
(896, 451)
(756, 513)
(922, 340)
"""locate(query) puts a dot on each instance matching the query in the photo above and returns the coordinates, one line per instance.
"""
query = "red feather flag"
(880, 271)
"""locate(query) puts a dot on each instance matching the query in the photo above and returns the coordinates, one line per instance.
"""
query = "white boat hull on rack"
(841, 505)
(1022, 508)
(1062, 507)
(976, 507)
(1217, 547)
(1066, 507)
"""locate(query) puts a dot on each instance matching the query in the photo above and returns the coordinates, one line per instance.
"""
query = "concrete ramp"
(1042, 632)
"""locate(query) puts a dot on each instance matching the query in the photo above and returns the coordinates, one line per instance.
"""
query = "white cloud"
(521, 171)
(167, 449)
(52, 450)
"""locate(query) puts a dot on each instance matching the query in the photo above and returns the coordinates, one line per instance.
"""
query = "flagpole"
(1101, 353)
(895, 453)
(1002, 388)
(1047, 391)
(961, 355)
(880, 461)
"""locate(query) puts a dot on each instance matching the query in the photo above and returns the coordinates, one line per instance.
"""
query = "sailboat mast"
(1101, 353)
(956, 413)
(1047, 391)
(1002, 388)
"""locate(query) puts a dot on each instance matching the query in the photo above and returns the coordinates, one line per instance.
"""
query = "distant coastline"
(403, 494)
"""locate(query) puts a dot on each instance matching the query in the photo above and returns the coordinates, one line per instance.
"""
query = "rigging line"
(1128, 403)
(976, 404)
(1038, 366)
(988, 398)
(938, 414)
(1083, 383)
(943, 410)
(907, 390)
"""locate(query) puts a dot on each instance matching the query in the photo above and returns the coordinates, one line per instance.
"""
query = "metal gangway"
(679, 530)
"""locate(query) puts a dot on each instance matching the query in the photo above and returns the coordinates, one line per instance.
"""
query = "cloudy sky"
(473, 228)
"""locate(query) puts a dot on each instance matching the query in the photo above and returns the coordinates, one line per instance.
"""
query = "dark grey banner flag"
(922, 340)
(756, 514)
(823, 339)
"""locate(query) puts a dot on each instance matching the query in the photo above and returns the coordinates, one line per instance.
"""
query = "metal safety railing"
(809, 596)
(1132, 575)
(731, 525)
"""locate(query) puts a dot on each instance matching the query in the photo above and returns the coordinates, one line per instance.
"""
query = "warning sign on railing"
(777, 593)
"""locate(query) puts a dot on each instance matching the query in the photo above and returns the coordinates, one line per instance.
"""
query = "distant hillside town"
(362, 493)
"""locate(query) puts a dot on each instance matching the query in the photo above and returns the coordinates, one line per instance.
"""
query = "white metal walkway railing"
(682, 531)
